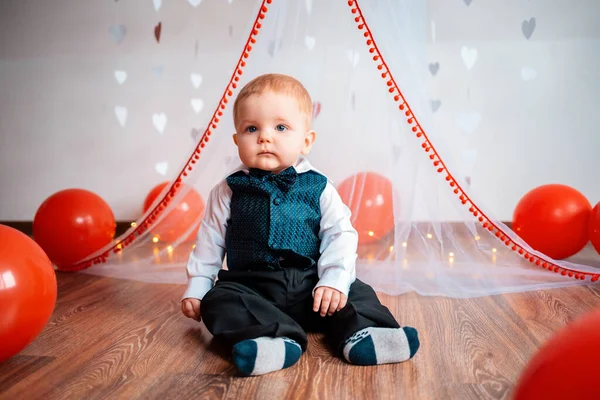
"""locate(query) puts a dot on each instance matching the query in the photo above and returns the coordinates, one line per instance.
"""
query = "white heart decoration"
(528, 74)
(117, 33)
(469, 56)
(469, 158)
(271, 48)
(162, 167)
(157, 4)
(468, 121)
(397, 151)
(194, 3)
(196, 134)
(160, 122)
(353, 57)
(197, 105)
(121, 113)
(310, 41)
(434, 68)
(120, 76)
(196, 80)
(158, 70)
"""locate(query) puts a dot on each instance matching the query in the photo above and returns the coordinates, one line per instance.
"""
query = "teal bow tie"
(284, 180)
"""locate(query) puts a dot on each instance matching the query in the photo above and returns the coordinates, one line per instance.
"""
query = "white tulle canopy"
(404, 177)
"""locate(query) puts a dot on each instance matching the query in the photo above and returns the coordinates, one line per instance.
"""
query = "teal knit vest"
(270, 227)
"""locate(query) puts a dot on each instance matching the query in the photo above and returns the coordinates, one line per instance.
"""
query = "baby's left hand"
(328, 300)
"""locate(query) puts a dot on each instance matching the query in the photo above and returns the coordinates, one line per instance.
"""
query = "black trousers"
(275, 303)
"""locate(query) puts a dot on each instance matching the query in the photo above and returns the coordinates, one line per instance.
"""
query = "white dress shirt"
(339, 240)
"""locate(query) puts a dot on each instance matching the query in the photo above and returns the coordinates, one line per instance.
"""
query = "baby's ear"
(235, 138)
(309, 140)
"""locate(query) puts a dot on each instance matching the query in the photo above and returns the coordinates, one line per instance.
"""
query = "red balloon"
(553, 219)
(180, 219)
(594, 230)
(27, 291)
(72, 224)
(370, 198)
(566, 366)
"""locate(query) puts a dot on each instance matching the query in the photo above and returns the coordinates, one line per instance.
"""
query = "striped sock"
(263, 355)
(372, 346)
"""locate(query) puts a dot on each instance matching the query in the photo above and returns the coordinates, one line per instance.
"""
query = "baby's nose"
(264, 136)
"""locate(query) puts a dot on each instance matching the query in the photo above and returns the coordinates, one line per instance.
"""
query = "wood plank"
(111, 338)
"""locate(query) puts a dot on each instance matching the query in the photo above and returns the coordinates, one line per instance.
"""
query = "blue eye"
(251, 129)
(281, 128)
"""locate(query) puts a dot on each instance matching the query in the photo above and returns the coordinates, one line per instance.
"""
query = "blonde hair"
(277, 83)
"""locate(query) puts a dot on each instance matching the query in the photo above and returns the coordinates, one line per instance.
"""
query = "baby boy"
(290, 247)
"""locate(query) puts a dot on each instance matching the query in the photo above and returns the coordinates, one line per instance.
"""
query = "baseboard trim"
(27, 226)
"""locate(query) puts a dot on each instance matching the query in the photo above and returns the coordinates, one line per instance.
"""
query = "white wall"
(536, 98)
(522, 115)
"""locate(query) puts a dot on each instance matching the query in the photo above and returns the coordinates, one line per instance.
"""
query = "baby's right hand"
(191, 308)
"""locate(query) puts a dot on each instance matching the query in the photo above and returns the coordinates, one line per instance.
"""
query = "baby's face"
(272, 132)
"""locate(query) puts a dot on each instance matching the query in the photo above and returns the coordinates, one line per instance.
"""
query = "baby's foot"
(371, 346)
(263, 355)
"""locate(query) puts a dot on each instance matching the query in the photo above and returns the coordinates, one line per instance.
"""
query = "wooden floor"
(122, 339)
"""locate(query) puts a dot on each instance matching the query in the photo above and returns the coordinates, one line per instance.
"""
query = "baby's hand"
(329, 300)
(191, 308)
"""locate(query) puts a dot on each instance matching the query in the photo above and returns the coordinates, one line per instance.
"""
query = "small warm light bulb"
(133, 224)
(451, 254)
(391, 248)
(119, 246)
(371, 233)
(494, 250)
(155, 239)
(477, 238)
(169, 248)
(451, 259)
(194, 246)
(404, 244)
(429, 236)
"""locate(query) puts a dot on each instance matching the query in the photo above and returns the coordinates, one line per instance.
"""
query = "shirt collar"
(302, 165)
